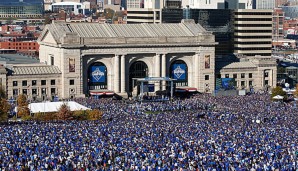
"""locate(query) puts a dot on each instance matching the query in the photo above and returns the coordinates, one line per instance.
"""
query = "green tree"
(22, 106)
(278, 91)
(64, 112)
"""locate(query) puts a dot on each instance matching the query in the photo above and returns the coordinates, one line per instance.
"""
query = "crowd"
(199, 133)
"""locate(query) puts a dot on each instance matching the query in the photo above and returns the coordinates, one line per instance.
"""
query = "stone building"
(258, 73)
(96, 57)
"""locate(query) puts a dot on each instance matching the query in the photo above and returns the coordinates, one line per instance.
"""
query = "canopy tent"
(45, 107)
(278, 97)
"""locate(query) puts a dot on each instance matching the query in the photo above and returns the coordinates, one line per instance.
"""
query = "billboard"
(98, 74)
(179, 71)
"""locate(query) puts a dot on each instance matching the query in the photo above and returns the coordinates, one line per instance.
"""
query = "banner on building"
(98, 74)
(72, 66)
(179, 71)
(207, 61)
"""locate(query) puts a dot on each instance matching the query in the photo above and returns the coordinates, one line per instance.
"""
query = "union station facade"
(95, 58)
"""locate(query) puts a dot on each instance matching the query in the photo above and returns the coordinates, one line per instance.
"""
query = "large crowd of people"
(199, 133)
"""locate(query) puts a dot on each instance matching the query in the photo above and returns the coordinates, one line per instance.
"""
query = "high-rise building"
(278, 24)
(253, 32)
(140, 11)
(264, 4)
(21, 8)
(217, 4)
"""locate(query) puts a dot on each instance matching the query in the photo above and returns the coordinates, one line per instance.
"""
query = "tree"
(95, 114)
(296, 91)
(22, 106)
(64, 112)
(4, 108)
(278, 91)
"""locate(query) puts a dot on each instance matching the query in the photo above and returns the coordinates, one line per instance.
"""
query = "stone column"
(157, 70)
(164, 69)
(122, 74)
(116, 74)
(196, 70)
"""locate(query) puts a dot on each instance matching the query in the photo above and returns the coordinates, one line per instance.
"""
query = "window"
(266, 74)
(242, 75)
(234, 75)
(242, 83)
(266, 82)
(43, 82)
(43, 91)
(250, 75)
(15, 92)
(250, 83)
(25, 91)
(24, 83)
(53, 90)
(53, 82)
(15, 83)
(206, 77)
(71, 82)
(33, 82)
(227, 76)
(52, 60)
(34, 91)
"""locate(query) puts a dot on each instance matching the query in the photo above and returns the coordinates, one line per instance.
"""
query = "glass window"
(250, 75)
(43, 82)
(24, 83)
(266, 82)
(53, 90)
(25, 91)
(33, 82)
(266, 74)
(15, 92)
(43, 91)
(206, 77)
(242, 83)
(15, 83)
(250, 83)
(242, 75)
(71, 82)
(227, 76)
(234, 75)
(34, 91)
(53, 82)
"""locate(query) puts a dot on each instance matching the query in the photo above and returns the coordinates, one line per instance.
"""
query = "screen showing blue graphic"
(228, 83)
(98, 74)
(179, 71)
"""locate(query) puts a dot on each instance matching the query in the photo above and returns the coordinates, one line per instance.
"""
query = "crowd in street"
(199, 133)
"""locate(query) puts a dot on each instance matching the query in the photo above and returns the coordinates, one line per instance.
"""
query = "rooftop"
(17, 59)
(34, 70)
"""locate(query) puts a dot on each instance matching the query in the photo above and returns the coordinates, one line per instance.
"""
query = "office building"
(139, 11)
(21, 9)
(217, 4)
(265, 4)
(253, 32)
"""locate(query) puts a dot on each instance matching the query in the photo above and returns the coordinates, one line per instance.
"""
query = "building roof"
(244, 64)
(144, 30)
(17, 59)
(34, 70)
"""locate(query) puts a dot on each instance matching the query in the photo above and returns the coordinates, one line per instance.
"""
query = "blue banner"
(98, 74)
(150, 87)
(179, 71)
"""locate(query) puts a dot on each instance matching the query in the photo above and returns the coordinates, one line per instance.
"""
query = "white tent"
(44, 107)
(278, 97)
